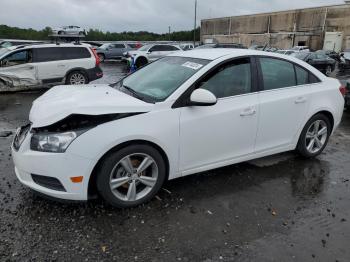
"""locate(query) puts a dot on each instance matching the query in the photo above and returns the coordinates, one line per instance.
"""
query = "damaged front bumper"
(51, 173)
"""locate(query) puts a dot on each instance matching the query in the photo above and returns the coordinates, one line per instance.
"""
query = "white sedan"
(183, 114)
(150, 53)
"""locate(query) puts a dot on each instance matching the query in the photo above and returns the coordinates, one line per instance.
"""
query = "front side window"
(17, 58)
(277, 73)
(158, 80)
(231, 79)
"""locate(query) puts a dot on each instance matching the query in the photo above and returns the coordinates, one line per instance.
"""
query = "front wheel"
(314, 136)
(131, 176)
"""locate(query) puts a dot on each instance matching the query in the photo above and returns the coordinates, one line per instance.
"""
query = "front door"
(18, 69)
(213, 136)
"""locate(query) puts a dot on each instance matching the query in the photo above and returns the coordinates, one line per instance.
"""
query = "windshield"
(160, 79)
(3, 51)
(145, 48)
(301, 55)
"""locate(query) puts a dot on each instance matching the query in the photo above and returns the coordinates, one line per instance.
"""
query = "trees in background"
(98, 35)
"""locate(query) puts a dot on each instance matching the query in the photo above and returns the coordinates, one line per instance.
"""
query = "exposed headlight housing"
(53, 142)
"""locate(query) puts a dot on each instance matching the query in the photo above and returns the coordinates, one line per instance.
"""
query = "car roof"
(215, 53)
(47, 45)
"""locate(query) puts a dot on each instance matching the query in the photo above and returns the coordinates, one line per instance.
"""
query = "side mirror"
(202, 97)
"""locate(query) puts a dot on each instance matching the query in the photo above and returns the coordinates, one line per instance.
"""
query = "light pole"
(195, 23)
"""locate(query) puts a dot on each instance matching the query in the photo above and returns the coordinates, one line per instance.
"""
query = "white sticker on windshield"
(192, 65)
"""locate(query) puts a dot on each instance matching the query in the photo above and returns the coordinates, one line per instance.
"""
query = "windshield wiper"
(138, 95)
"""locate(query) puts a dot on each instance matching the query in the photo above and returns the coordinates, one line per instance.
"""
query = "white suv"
(150, 53)
(24, 67)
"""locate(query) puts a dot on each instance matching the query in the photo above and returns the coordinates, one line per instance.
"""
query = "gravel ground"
(280, 208)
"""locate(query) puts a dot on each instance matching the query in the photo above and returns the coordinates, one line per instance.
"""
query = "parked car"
(257, 47)
(48, 64)
(331, 54)
(150, 53)
(320, 61)
(112, 51)
(345, 60)
(285, 52)
(187, 47)
(183, 114)
(207, 46)
(301, 48)
(69, 30)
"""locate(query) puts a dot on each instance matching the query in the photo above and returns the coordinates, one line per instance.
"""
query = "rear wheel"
(314, 136)
(131, 176)
(141, 61)
(77, 78)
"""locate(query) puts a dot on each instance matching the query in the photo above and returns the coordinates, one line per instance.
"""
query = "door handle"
(248, 112)
(61, 66)
(300, 100)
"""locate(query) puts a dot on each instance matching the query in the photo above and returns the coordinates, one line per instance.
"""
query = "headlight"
(54, 143)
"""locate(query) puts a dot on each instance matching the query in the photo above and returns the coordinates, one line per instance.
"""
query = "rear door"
(284, 102)
(47, 60)
(18, 68)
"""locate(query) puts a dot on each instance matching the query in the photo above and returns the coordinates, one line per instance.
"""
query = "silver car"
(69, 30)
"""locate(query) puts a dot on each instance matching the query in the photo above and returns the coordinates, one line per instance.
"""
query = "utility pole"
(169, 33)
(195, 23)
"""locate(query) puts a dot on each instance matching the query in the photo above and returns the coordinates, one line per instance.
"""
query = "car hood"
(62, 101)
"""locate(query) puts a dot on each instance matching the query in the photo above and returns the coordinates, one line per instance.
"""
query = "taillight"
(96, 56)
(342, 90)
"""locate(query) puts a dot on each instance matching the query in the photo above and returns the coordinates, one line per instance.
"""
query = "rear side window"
(75, 53)
(48, 54)
(302, 76)
(169, 48)
(277, 73)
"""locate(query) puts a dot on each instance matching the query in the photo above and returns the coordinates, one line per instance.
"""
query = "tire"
(112, 169)
(77, 78)
(140, 62)
(101, 57)
(306, 147)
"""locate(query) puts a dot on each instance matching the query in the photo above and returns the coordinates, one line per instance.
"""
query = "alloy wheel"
(77, 79)
(133, 177)
(316, 136)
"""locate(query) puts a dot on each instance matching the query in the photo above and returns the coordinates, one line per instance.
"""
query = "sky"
(135, 15)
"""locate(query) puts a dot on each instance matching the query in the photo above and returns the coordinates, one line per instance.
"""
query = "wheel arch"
(141, 57)
(92, 190)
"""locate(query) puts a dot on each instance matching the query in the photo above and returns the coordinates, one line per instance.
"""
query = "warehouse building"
(319, 28)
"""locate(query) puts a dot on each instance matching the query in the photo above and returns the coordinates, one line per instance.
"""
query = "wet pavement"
(280, 208)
